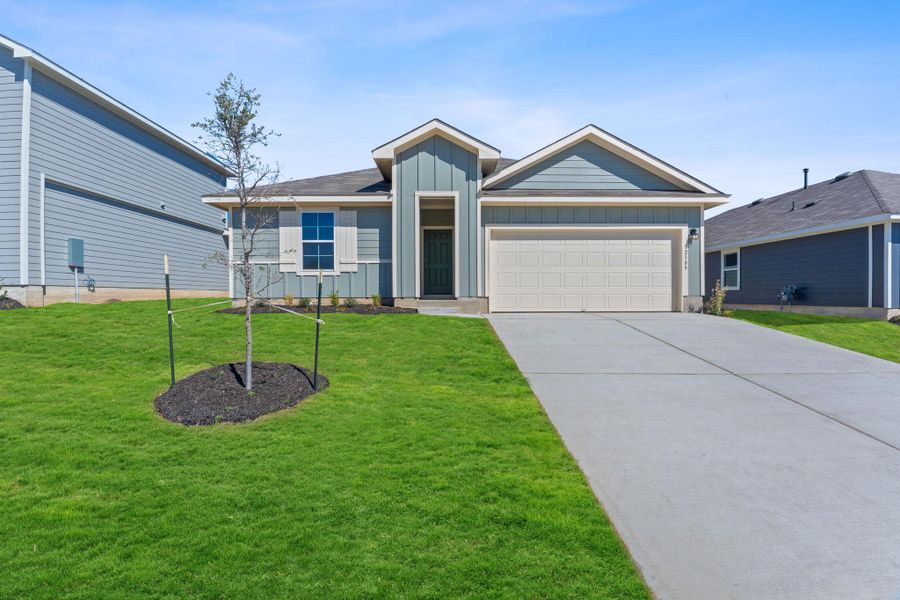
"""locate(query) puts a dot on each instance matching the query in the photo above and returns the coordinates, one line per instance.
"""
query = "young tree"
(234, 137)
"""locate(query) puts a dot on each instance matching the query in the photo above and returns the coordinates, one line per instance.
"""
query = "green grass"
(869, 336)
(427, 470)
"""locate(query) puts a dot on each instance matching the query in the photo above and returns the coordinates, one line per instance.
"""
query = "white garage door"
(580, 271)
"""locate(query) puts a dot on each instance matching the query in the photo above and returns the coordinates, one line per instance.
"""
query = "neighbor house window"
(318, 240)
(731, 270)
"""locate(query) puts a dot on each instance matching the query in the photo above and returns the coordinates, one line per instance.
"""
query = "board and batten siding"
(586, 166)
(124, 245)
(436, 165)
(606, 215)
(832, 269)
(373, 235)
(82, 146)
(11, 72)
(878, 265)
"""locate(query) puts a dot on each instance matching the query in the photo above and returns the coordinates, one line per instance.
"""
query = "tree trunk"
(247, 276)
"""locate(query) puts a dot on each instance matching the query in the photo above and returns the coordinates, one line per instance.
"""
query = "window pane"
(326, 233)
(731, 278)
(326, 263)
(310, 219)
(326, 249)
(326, 219)
(731, 259)
(309, 233)
(310, 262)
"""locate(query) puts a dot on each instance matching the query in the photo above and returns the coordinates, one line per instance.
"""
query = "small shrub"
(376, 300)
(335, 299)
(350, 302)
(304, 303)
(288, 299)
(259, 302)
(716, 303)
(2, 291)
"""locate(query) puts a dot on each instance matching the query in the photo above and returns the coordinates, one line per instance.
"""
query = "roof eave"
(74, 82)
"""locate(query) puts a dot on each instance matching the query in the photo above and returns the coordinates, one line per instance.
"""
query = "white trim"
(43, 248)
(797, 233)
(225, 202)
(613, 144)
(384, 154)
(888, 292)
(74, 82)
(230, 253)
(24, 173)
(736, 268)
(702, 254)
(395, 228)
(869, 270)
(705, 202)
(418, 237)
(335, 268)
(479, 241)
(680, 231)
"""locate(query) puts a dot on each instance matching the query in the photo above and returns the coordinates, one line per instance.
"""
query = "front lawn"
(869, 336)
(427, 470)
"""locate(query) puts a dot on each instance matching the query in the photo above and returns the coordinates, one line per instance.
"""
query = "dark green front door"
(438, 258)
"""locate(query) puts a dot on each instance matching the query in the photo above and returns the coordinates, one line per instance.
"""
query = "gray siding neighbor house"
(837, 242)
(76, 164)
(587, 223)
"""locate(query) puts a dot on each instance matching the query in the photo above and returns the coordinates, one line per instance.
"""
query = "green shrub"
(288, 299)
(335, 299)
(304, 302)
(2, 291)
(350, 302)
(376, 300)
(716, 303)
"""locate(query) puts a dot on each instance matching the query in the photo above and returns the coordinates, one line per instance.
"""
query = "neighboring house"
(77, 164)
(588, 223)
(837, 242)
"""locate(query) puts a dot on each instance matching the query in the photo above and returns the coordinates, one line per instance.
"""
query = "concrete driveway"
(735, 461)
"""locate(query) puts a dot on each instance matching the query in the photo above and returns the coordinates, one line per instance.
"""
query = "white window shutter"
(347, 252)
(288, 240)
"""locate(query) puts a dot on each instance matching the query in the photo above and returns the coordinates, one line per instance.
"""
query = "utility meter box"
(76, 253)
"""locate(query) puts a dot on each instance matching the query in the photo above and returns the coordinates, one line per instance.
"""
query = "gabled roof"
(615, 145)
(72, 81)
(350, 183)
(384, 154)
(842, 199)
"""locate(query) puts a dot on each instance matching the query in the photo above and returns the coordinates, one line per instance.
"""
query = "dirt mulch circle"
(9, 304)
(359, 309)
(217, 395)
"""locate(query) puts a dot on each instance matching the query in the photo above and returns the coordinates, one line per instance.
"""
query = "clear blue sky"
(741, 93)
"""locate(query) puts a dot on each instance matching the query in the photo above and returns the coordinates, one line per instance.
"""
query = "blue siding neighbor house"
(587, 223)
(837, 242)
(77, 164)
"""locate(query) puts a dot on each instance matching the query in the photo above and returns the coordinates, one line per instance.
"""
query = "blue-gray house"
(76, 164)
(587, 223)
(836, 243)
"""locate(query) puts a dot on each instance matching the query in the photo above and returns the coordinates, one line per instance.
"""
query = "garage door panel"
(553, 270)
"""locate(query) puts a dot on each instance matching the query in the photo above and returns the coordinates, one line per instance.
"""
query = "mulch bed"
(9, 304)
(359, 309)
(217, 395)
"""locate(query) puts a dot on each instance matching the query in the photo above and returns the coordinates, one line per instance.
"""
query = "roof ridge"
(875, 193)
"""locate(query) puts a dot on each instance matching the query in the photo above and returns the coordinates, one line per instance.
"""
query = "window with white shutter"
(288, 239)
(347, 241)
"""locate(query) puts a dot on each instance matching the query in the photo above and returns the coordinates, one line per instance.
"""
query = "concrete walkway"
(734, 460)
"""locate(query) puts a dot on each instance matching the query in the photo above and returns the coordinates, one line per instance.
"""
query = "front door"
(438, 262)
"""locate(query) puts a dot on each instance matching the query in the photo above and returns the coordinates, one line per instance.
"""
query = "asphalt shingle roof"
(860, 194)
(348, 183)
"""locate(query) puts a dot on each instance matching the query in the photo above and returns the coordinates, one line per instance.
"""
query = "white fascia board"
(594, 200)
(225, 202)
(435, 126)
(798, 233)
(384, 155)
(72, 81)
(613, 144)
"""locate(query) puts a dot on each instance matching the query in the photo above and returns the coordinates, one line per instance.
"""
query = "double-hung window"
(731, 270)
(317, 231)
